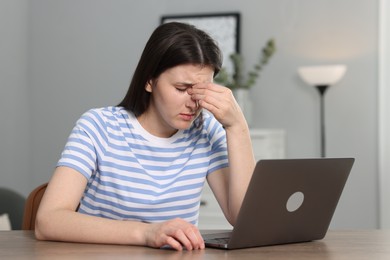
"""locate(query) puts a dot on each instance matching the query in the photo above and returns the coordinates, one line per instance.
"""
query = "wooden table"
(338, 244)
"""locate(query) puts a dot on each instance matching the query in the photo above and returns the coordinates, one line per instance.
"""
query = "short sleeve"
(80, 152)
(217, 138)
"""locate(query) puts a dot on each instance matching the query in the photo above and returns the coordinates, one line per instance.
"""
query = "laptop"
(287, 201)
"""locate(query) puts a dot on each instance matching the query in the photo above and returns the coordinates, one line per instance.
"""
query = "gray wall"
(62, 57)
(15, 104)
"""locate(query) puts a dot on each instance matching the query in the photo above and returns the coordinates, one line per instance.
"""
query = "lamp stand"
(322, 89)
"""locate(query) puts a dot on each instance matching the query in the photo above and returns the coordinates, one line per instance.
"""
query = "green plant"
(237, 79)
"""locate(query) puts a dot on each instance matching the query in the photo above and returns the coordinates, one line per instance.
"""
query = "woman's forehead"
(190, 73)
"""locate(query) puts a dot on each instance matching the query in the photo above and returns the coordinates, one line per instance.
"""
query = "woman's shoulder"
(104, 110)
(103, 116)
(107, 113)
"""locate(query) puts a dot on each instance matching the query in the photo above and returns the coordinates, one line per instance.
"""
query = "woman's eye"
(181, 89)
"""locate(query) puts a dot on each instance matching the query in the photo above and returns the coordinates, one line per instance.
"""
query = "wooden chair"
(31, 207)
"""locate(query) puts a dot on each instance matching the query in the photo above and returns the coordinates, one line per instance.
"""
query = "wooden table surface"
(338, 244)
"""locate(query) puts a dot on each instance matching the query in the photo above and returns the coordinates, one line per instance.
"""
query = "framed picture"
(224, 28)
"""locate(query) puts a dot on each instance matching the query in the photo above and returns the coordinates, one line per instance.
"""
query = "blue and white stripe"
(133, 175)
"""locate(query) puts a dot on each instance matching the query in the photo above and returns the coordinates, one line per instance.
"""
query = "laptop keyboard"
(221, 240)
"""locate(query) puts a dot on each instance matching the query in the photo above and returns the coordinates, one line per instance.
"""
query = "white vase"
(243, 99)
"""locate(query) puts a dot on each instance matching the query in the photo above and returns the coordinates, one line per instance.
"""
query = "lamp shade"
(322, 75)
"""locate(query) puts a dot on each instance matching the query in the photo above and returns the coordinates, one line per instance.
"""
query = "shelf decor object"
(224, 28)
(321, 77)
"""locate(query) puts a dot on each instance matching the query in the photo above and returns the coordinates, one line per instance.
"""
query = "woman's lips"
(187, 117)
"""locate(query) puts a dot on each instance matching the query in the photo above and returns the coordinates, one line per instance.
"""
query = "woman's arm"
(236, 178)
(58, 220)
(229, 184)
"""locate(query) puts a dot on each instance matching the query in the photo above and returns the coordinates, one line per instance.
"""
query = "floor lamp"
(322, 77)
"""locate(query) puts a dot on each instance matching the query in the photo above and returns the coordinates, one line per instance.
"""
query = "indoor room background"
(59, 58)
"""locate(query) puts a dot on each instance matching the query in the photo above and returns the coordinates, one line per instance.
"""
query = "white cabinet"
(267, 144)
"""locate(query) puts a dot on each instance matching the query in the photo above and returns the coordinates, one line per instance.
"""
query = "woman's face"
(171, 107)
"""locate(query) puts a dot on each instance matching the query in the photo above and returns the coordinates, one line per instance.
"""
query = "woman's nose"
(191, 103)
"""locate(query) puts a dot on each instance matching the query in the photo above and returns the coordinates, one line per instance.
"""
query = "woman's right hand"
(176, 233)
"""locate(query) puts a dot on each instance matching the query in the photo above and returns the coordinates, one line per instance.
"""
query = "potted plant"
(237, 79)
(239, 84)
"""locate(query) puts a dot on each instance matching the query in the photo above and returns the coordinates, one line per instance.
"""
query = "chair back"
(31, 207)
(12, 203)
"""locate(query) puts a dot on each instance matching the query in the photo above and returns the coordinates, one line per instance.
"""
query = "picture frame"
(224, 28)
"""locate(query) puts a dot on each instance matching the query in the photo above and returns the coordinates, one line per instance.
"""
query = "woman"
(133, 173)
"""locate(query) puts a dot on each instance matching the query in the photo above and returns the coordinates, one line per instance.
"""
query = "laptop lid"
(288, 201)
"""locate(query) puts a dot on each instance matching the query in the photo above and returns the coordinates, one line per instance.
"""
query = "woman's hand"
(219, 101)
(176, 233)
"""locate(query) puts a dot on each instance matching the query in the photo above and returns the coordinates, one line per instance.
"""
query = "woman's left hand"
(219, 100)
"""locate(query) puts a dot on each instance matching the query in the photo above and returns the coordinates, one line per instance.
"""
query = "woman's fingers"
(195, 238)
(219, 101)
(172, 242)
(177, 234)
(213, 95)
(189, 238)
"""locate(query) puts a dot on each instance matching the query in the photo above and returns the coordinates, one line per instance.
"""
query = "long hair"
(170, 45)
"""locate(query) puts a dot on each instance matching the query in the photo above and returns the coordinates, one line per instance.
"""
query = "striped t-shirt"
(133, 175)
